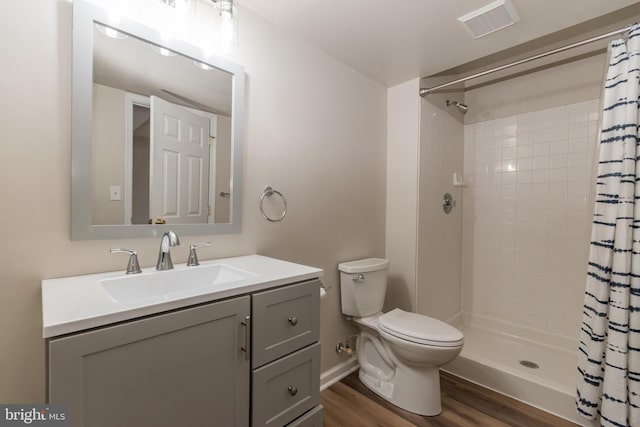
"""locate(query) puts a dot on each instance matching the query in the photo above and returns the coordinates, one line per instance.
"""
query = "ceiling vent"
(493, 17)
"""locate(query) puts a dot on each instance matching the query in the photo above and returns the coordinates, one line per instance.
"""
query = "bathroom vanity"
(239, 348)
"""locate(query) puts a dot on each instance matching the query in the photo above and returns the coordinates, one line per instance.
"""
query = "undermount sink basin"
(171, 282)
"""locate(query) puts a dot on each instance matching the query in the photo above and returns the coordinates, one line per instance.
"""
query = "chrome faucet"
(164, 256)
(133, 267)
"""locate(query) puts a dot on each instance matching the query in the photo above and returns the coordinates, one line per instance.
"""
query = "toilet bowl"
(399, 352)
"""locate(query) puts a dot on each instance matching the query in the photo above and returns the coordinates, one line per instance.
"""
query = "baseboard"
(337, 373)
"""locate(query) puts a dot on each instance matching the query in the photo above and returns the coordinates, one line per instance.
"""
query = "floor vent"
(493, 17)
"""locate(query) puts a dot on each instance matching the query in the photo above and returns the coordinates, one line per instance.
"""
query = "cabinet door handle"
(293, 390)
(247, 337)
(293, 320)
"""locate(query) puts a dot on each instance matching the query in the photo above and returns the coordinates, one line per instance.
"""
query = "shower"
(520, 160)
(462, 108)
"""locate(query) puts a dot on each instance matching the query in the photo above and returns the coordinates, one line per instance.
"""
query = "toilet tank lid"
(364, 265)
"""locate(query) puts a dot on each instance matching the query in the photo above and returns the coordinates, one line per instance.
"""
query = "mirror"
(156, 133)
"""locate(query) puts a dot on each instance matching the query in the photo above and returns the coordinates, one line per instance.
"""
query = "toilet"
(399, 352)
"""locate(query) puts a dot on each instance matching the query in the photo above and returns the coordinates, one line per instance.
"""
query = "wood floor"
(349, 403)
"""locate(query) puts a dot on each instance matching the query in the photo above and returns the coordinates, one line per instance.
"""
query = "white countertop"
(72, 304)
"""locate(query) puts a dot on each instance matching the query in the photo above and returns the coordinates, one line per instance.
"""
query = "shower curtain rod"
(425, 91)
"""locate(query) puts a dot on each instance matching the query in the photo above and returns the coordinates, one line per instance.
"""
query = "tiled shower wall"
(526, 220)
(439, 235)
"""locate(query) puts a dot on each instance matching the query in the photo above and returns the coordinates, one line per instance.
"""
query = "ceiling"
(395, 41)
(131, 64)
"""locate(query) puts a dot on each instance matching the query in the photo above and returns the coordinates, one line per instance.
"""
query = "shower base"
(538, 374)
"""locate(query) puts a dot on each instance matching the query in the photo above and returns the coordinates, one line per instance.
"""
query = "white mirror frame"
(84, 16)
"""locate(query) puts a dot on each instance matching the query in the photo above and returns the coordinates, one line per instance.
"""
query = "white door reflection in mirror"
(179, 169)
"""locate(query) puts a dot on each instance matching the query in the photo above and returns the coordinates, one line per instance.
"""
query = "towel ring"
(270, 192)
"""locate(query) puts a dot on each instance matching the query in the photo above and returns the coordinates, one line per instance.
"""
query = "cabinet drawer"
(284, 320)
(287, 388)
(313, 418)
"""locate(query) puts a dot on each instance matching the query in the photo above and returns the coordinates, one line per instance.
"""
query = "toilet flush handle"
(359, 278)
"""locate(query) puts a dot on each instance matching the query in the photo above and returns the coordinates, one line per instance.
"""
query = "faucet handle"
(132, 267)
(193, 256)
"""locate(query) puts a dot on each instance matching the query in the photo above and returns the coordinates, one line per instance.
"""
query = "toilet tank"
(363, 285)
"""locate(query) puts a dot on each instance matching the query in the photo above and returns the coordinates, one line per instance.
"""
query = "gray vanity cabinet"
(182, 368)
(285, 356)
(253, 359)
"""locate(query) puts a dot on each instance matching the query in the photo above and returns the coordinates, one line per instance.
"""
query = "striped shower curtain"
(609, 351)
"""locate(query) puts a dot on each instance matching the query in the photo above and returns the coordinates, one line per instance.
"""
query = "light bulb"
(228, 22)
(226, 32)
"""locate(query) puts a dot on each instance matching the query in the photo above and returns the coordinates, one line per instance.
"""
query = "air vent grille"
(493, 17)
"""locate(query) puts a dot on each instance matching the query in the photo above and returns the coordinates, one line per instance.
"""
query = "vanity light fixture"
(229, 15)
(224, 34)
(225, 7)
(176, 3)
(173, 18)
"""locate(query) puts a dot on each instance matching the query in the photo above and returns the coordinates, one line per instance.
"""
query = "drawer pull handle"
(247, 337)
(293, 320)
(293, 390)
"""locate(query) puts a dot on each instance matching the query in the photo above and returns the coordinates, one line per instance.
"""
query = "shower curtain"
(609, 351)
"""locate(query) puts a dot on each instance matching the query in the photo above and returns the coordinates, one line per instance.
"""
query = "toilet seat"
(420, 329)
